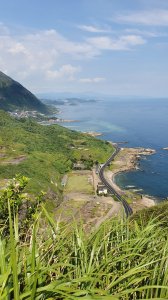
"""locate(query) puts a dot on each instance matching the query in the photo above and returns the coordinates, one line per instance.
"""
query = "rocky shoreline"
(127, 160)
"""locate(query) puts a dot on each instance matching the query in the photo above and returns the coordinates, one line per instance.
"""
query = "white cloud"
(151, 18)
(17, 48)
(3, 29)
(122, 43)
(67, 71)
(92, 80)
(145, 33)
(46, 56)
(44, 51)
(93, 29)
(132, 40)
(39, 54)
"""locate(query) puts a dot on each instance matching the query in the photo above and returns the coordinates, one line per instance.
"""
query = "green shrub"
(121, 260)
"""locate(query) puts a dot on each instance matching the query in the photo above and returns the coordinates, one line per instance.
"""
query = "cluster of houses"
(25, 114)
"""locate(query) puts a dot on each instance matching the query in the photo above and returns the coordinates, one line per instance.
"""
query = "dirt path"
(14, 161)
(115, 211)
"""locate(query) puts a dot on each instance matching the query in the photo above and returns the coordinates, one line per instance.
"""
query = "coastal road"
(127, 208)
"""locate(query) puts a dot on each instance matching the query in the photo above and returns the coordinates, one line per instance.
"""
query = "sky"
(113, 47)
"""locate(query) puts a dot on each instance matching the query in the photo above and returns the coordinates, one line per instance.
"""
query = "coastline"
(56, 121)
(126, 160)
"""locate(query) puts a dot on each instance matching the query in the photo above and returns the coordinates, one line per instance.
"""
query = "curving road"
(127, 208)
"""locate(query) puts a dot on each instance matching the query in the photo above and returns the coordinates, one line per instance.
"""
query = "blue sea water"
(140, 122)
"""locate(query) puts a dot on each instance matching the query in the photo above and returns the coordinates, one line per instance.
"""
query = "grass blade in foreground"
(13, 255)
(122, 260)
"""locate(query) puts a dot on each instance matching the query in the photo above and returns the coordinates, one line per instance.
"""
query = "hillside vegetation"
(159, 212)
(120, 261)
(14, 96)
(44, 153)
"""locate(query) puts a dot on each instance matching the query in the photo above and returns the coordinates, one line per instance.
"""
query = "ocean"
(140, 123)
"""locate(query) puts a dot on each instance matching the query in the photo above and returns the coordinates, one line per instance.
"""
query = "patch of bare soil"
(144, 202)
(90, 210)
(14, 161)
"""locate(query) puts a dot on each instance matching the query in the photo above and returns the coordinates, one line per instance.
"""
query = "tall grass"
(121, 260)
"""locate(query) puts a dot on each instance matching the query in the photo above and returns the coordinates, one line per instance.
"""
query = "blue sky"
(115, 47)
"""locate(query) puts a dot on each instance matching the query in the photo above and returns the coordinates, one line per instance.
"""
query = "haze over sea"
(141, 123)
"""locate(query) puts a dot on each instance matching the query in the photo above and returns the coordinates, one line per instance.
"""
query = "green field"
(79, 183)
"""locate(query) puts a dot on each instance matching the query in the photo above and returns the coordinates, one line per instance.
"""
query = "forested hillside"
(14, 96)
(44, 153)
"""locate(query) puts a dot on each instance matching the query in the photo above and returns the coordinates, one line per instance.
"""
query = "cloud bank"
(53, 55)
(148, 18)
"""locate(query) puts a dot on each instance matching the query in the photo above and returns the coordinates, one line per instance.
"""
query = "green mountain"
(14, 96)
